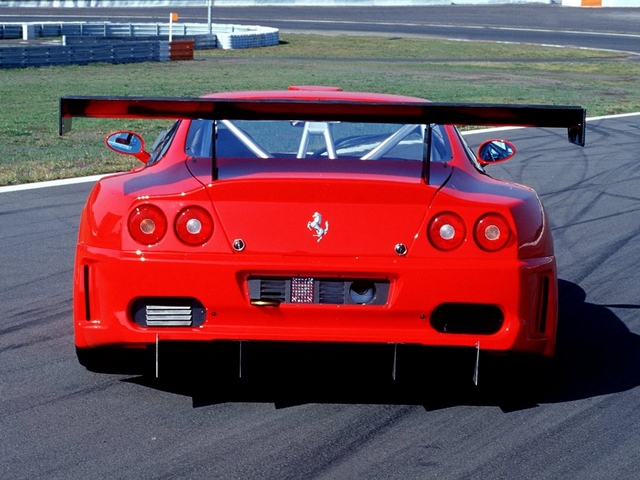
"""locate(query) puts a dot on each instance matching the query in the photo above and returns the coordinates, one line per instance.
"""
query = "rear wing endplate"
(569, 117)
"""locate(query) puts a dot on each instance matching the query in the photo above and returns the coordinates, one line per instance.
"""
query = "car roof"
(313, 92)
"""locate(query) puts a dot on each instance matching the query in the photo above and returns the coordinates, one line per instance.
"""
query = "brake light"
(194, 225)
(492, 232)
(147, 224)
(446, 231)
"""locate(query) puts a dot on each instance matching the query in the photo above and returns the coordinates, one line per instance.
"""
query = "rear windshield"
(303, 139)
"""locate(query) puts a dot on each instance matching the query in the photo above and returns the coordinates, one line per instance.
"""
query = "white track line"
(51, 183)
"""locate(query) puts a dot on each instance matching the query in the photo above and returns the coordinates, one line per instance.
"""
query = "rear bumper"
(108, 283)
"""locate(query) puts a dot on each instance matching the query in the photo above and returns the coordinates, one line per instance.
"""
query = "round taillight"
(147, 224)
(446, 231)
(492, 232)
(194, 225)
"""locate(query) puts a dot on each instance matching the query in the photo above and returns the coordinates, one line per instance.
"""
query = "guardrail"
(200, 42)
(10, 31)
(108, 51)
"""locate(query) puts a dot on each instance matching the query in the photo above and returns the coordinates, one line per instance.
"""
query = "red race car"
(314, 215)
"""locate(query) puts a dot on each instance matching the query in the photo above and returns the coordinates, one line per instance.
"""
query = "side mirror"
(127, 143)
(495, 151)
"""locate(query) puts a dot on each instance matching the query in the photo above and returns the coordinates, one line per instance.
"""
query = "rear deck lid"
(286, 207)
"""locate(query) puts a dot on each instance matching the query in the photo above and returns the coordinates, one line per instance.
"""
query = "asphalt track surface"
(295, 416)
(602, 28)
(292, 416)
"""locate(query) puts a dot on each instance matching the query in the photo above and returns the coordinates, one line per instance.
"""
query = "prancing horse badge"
(316, 224)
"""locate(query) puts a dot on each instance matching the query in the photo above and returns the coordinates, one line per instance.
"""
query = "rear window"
(303, 139)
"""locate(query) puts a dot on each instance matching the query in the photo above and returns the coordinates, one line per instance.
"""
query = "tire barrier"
(123, 43)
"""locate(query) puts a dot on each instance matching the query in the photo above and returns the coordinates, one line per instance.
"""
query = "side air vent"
(87, 298)
(543, 307)
(168, 312)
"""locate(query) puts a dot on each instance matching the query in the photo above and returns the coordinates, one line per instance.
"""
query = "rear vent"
(273, 289)
(309, 290)
(331, 292)
(167, 315)
(168, 312)
(471, 318)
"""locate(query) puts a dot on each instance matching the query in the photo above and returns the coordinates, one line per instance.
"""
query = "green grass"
(31, 150)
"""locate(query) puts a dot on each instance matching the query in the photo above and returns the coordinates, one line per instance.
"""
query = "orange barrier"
(181, 50)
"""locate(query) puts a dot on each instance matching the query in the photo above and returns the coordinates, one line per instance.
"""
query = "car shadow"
(596, 355)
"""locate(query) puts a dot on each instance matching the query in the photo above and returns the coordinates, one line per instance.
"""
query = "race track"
(599, 28)
(295, 416)
(342, 419)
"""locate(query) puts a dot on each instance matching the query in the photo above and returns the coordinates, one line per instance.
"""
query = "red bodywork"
(506, 300)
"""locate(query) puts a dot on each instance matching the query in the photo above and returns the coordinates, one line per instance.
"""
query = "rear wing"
(418, 113)
(571, 118)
